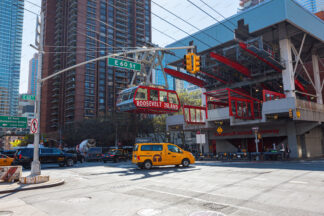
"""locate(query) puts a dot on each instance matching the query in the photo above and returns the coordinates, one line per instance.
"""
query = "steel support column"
(288, 73)
(292, 140)
(317, 78)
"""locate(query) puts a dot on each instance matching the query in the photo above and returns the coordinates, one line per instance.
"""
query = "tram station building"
(262, 68)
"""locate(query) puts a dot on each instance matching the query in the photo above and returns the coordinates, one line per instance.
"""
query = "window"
(157, 147)
(154, 95)
(174, 149)
(141, 94)
(163, 96)
(173, 98)
(56, 151)
(46, 151)
(146, 148)
(151, 148)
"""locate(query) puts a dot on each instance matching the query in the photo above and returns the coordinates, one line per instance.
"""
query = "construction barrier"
(34, 179)
(10, 173)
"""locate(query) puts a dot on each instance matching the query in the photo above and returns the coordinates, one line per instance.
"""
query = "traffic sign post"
(28, 97)
(13, 122)
(124, 64)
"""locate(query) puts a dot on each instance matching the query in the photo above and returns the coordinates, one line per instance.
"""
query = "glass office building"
(32, 78)
(11, 26)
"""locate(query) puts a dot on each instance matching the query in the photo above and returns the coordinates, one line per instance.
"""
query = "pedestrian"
(287, 152)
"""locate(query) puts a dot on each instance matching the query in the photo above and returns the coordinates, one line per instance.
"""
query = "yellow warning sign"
(219, 130)
(297, 113)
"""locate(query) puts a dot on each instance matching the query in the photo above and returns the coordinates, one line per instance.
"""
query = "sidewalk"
(14, 187)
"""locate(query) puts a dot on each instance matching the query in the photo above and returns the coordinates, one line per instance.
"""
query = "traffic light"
(196, 63)
(188, 62)
(290, 113)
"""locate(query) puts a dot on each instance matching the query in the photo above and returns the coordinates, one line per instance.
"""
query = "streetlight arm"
(112, 55)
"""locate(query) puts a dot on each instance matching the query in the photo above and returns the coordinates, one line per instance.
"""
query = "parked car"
(5, 160)
(146, 155)
(9, 153)
(115, 155)
(80, 157)
(94, 154)
(24, 157)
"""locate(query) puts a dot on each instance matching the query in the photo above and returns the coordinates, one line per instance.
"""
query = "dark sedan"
(115, 155)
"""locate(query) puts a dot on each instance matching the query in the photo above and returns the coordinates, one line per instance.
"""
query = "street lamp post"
(255, 130)
(35, 166)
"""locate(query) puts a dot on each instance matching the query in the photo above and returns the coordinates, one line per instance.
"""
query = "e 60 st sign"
(124, 64)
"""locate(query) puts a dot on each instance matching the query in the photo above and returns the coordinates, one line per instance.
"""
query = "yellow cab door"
(158, 157)
(174, 154)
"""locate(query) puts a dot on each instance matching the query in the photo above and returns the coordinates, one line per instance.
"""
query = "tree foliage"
(103, 129)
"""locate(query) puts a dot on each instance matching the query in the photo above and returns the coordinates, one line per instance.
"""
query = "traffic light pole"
(35, 166)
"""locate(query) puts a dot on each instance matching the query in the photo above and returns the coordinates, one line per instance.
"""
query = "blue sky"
(182, 8)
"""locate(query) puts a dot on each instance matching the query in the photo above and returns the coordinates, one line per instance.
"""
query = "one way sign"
(34, 126)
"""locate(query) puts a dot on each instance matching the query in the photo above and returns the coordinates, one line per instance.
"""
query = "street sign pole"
(35, 166)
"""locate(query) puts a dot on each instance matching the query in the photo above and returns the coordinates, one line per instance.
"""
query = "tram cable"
(210, 36)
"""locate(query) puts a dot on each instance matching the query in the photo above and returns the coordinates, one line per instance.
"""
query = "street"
(206, 188)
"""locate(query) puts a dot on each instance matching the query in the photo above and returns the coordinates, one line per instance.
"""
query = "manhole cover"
(6, 213)
(149, 212)
(206, 213)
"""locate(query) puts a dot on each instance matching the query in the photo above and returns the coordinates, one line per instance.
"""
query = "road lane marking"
(298, 182)
(201, 200)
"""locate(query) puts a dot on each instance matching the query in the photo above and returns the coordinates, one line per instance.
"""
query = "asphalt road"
(213, 189)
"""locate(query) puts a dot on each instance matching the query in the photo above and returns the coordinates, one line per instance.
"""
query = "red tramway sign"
(34, 126)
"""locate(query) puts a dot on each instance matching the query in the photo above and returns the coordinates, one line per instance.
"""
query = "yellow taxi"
(146, 155)
(5, 160)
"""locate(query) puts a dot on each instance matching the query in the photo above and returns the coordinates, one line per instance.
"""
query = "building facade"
(32, 77)
(256, 96)
(80, 30)
(11, 26)
(312, 5)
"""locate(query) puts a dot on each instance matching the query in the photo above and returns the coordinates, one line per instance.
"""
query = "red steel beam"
(242, 69)
(198, 82)
(214, 77)
(301, 87)
(244, 47)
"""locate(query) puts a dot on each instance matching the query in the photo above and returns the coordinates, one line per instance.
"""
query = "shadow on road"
(290, 165)
(154, 172)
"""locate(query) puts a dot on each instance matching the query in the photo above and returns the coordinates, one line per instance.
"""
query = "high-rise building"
(11, 26)
(312, 5)
(32, 78)
(80, 30)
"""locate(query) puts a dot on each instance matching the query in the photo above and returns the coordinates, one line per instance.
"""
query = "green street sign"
(13, 122)
(124, 64)
(28, 97)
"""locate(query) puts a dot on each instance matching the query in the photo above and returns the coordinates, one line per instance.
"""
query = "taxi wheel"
(147, 164)
(185, 162)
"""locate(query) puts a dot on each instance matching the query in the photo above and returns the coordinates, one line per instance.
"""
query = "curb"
(57, 183)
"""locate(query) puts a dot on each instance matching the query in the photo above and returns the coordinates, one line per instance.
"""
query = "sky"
(182, 8)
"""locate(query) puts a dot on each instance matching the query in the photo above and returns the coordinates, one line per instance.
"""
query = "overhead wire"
(218, 13)
(181, 29)
(211, 16)
(210, 36)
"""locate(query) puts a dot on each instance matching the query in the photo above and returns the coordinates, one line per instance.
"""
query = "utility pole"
(35, 166)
